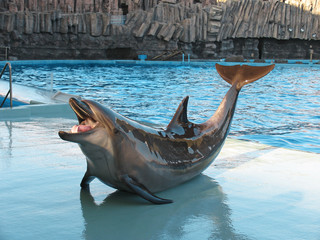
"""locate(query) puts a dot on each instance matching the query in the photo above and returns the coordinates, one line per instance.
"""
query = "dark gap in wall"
(260, 48)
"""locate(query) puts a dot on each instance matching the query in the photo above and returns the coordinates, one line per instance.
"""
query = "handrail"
(167, 55)
(5, 54)
(10, 84)
(174, 53)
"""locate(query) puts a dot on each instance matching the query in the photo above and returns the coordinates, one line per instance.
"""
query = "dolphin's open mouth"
(85, 116)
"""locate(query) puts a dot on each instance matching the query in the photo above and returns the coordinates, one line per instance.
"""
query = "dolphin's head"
(96, 123)
(96, 135)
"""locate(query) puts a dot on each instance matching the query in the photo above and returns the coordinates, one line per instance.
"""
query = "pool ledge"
(238, 154)
(62, 110)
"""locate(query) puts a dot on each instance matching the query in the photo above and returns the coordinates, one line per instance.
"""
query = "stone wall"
(82, 6)
(268, 19)
(52, 29)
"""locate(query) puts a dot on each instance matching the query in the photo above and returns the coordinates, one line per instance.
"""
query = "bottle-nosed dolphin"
(133, 157)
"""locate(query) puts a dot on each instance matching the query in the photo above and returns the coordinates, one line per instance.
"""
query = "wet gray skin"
(133, 157)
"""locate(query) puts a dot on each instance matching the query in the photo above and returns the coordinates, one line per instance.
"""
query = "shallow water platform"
(251, 191)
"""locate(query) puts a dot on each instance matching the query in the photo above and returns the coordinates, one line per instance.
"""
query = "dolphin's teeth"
(74, 129)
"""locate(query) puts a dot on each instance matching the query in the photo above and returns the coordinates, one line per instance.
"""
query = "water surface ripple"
(282, 109)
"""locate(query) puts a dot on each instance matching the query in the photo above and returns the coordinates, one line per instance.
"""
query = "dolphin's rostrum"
(130, 156)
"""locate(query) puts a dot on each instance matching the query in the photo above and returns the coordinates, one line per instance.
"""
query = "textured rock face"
(96, 29)
(268, 19)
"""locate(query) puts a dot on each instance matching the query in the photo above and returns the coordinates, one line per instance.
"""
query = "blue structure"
(15, 103)
(142, 57)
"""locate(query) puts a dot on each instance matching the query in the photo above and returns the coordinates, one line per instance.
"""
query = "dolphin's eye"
(115, 131)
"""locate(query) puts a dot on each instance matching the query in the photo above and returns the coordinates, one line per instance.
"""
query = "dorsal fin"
(180, 116)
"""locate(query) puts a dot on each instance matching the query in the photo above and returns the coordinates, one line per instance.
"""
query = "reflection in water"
(9, 127)
(6, 143)
(199, 212)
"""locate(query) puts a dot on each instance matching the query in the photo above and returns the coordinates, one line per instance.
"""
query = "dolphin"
(133, 157)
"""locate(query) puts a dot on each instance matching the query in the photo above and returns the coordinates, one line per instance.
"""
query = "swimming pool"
(250, 188)
(282, 109)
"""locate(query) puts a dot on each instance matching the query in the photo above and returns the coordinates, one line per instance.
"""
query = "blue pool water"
(6, 103)
(281, 109)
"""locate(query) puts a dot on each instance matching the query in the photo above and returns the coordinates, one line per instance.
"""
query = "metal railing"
(10, 84)
(5, 54)
(167, 55)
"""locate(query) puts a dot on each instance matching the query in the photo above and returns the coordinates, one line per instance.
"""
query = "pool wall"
(204, 62)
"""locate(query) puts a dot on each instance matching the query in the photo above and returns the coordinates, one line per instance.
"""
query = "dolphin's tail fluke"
(242, 75)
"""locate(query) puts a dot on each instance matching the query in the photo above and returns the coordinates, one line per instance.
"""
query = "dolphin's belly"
(100, 164)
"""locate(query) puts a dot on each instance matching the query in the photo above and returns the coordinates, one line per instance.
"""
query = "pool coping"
(198, 62)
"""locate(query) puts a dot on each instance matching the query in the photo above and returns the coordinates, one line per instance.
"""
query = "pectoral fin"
(87, 178)
(143, 192)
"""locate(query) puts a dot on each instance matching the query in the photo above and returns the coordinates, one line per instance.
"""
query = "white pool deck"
(251, 191)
